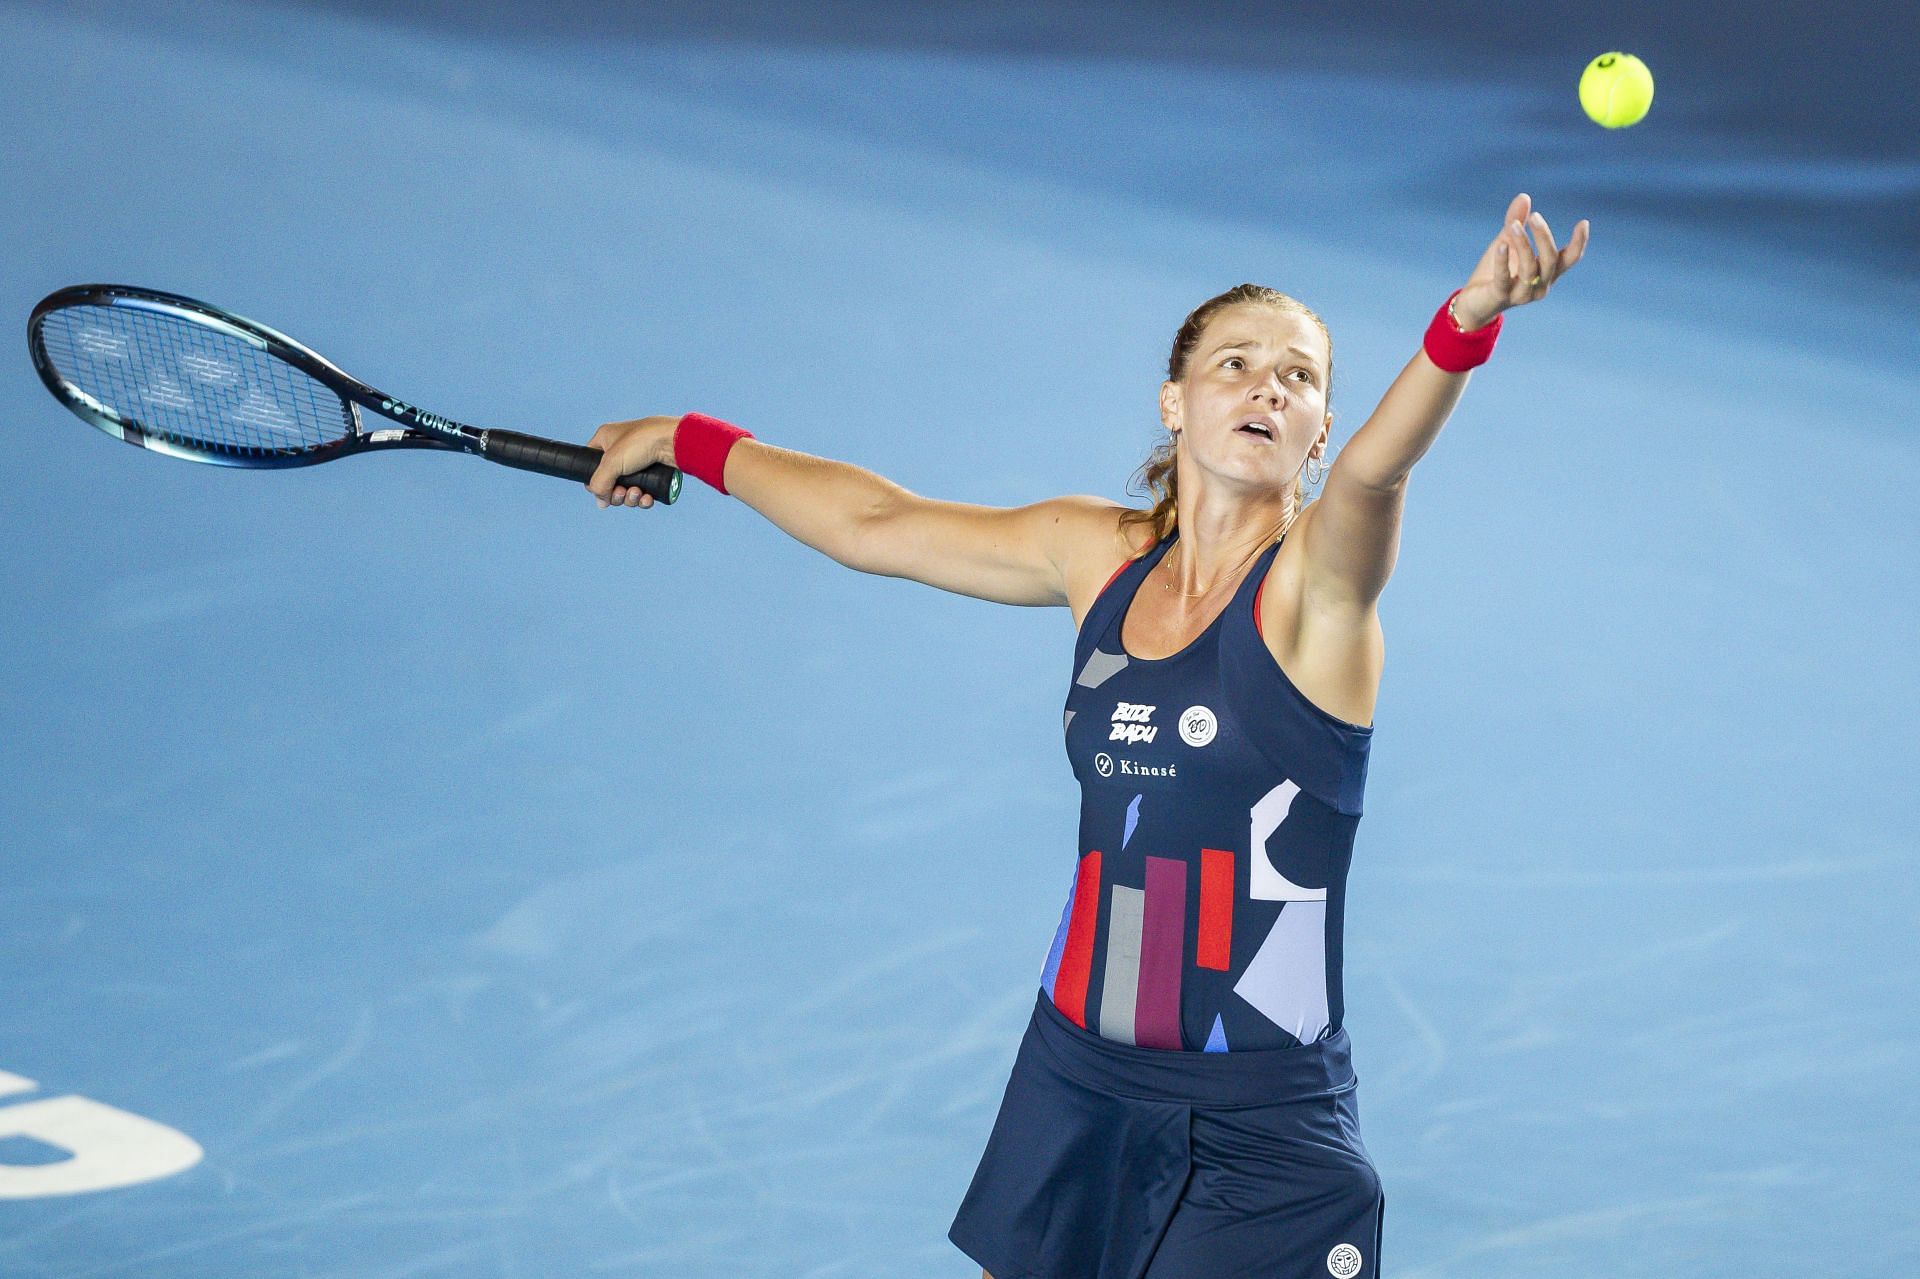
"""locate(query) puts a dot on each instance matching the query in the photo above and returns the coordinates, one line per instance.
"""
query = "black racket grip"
(575, 462)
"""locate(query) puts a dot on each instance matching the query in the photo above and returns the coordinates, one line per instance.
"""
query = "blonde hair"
(1159, 470)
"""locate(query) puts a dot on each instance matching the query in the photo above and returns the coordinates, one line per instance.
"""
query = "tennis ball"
(1616, 89)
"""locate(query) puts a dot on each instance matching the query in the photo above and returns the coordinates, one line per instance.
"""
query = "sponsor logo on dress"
(1197, 726)
(1105, 765)
(1132, 723)
(1344, 1261)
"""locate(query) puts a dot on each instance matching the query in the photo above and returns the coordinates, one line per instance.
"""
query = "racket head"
(188, 379)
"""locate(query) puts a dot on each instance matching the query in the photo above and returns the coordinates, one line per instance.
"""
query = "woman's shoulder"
(1107, 532)
(1100, 540)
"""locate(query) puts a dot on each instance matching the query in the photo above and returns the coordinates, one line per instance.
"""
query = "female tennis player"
(1183, 1104)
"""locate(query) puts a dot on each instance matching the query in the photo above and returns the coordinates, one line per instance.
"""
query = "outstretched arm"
(1353, 538)
(815, 500)
(1010, 555)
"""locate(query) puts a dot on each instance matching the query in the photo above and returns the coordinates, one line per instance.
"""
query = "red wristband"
(1456, 349)
(701, 445)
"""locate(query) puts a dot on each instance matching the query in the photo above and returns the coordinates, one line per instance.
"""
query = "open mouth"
(1259, 429)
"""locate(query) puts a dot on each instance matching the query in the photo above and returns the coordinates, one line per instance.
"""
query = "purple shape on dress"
(1163, 946)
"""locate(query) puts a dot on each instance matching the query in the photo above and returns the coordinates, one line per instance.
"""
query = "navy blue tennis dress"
(1183, 1104)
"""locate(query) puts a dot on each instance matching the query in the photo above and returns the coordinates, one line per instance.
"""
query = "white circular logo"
(1103, 764)
(1344, 1261)
(1197, 726)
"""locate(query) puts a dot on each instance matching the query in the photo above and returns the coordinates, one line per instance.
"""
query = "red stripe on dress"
(1215, 946)
(1076, 959)
(1163, 953)
(1117, 572)
(1256, 608)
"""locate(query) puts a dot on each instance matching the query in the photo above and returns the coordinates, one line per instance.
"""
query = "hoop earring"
(1312, 479)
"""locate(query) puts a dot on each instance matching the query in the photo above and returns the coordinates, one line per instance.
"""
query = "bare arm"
(815, 500)
(1351, 542)
(1010, 555)
(1354, 538)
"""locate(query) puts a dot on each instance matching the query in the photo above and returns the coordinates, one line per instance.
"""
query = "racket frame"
(417, 428)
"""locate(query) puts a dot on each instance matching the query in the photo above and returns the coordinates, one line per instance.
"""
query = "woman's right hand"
(627, 447)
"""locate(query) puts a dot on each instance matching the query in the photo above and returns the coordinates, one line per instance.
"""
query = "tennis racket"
(190, 380)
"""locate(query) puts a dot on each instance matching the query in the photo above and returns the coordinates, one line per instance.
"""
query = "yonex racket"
(190, 380)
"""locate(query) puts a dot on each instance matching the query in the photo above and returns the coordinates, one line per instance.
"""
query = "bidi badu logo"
(1132, 723)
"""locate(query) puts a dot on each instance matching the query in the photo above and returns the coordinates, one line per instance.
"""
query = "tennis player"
(1183, 1103)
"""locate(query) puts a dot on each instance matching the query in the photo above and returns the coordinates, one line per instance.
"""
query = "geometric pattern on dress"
(1101, 667)
(1265, 882)
(1120, 983)
(1287, 978)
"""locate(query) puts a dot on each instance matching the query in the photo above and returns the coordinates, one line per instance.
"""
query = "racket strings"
(189, 384)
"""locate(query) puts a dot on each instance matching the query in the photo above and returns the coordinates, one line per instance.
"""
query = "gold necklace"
(1191, 595)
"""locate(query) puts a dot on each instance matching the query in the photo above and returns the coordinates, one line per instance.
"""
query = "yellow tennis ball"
(1616, 89)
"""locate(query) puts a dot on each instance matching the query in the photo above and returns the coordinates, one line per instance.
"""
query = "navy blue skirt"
(1109, 1161)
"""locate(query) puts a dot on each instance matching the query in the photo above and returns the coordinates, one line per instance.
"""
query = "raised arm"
(1353, 538)
(1010, 555)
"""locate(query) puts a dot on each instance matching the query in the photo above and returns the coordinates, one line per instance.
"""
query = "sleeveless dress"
(1217, 816)
(1183, 1102)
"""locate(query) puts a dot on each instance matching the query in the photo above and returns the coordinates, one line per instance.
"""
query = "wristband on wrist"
(701, 445)
(1456, 349)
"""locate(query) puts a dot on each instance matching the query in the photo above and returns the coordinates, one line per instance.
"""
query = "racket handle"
(575, 462)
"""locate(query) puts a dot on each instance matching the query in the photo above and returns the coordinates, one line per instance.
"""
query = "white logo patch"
(1344, 1261)
(1197, 726)
(1103, 764)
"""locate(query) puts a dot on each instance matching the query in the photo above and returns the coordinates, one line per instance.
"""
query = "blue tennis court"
(413, 870)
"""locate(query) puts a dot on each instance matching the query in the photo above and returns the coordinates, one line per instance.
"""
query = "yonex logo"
(1197, 726)
(1344, 1261)
(433, 421)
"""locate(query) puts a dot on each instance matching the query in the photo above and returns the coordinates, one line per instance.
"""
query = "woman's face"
(1254, 362)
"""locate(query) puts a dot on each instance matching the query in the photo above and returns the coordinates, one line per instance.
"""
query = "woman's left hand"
(1511, 273)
